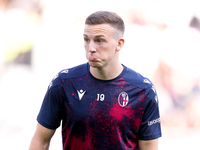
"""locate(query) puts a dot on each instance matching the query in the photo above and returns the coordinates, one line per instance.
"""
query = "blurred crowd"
(19, 20)
(162, 44)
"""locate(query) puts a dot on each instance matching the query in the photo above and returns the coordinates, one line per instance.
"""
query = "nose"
(91, 47)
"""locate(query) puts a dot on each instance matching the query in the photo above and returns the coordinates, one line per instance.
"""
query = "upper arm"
(148, 144)
(43, 133)
(41, 138)
(150, 127)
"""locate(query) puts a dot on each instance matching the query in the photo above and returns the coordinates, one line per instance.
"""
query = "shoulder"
(141, 82)
(73, 72)
(137, 79)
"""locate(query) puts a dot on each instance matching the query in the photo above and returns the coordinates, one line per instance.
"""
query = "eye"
(100, 40)
(86, 40)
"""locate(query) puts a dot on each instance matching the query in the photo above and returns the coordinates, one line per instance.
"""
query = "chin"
(95, 64)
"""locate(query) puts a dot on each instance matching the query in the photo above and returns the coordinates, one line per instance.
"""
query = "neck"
(107, 73)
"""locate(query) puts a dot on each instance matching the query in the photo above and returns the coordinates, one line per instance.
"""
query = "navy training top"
(101, 114)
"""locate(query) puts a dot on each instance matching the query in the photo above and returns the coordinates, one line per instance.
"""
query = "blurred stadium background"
(38, 38)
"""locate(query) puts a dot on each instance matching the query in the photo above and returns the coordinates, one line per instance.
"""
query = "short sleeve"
(150, 127)
(50, 111)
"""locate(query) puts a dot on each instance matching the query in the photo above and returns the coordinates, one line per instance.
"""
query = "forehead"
(97, 30)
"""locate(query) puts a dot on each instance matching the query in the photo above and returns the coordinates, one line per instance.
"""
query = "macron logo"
(80, 94)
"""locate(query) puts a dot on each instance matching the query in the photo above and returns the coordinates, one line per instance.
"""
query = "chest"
(90, 99)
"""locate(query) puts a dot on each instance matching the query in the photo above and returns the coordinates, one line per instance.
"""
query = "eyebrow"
(84, 35)
(98, 36)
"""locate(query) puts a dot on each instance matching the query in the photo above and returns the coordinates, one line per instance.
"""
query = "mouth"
(93, 58)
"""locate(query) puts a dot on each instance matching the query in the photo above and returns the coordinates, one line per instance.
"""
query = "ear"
(120, 44)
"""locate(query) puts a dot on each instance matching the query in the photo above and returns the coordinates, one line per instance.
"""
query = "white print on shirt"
(156, 98)
(146, 81)
(53, 80)
(100, 97)
(153, 122)
(154, 89)
(80, 94)
(65, 71)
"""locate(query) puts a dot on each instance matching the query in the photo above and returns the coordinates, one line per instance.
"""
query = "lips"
(93, 58)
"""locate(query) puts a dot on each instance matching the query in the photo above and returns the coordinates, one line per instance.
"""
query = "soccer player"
(102, 104)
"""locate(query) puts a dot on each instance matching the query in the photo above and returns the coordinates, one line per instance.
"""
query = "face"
(101, 45)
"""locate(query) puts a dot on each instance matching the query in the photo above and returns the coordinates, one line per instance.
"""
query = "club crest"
(123, 99)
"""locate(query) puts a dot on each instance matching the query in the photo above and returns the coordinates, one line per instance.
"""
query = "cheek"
(85, 46)
(106, 54)
(86, 53)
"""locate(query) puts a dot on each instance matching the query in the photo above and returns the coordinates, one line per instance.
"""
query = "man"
(102, 104)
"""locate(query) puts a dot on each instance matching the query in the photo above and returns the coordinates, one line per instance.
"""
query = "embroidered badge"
(123, 99)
